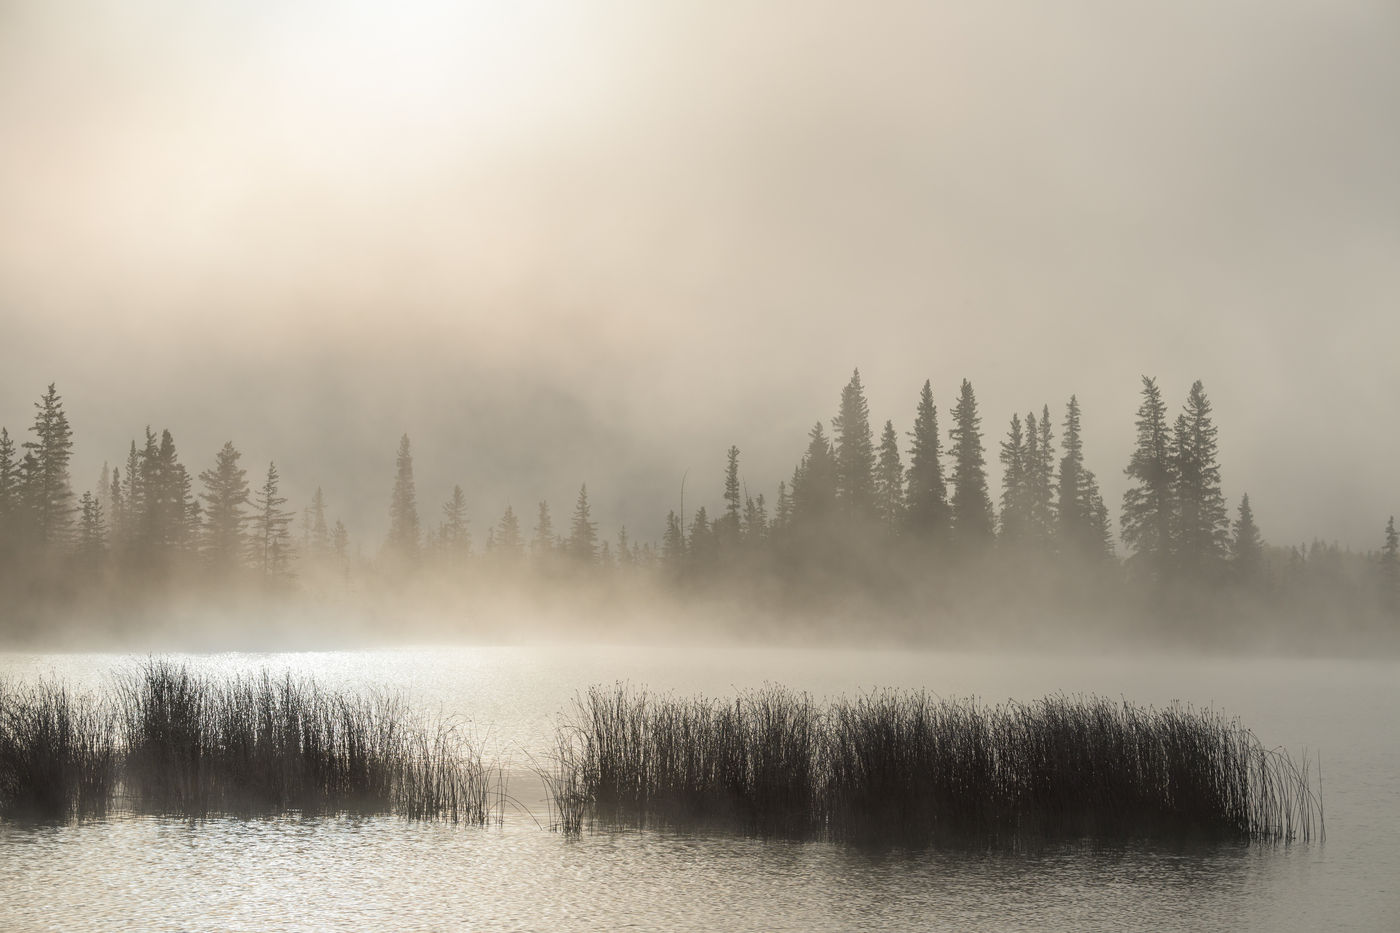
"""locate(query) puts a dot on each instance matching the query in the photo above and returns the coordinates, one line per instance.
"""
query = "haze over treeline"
(876, 533)
(614, 237)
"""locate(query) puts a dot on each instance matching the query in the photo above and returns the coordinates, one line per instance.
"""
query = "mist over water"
(474, 355)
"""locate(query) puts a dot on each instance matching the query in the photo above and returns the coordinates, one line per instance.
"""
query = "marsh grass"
(909, 768)
(58, 756)
(175, 742)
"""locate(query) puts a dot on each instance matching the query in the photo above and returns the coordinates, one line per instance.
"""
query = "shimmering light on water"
(386, 874)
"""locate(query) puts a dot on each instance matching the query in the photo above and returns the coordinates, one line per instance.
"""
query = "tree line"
(887, 517)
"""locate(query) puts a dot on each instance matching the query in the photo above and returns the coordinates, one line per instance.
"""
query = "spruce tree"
(926, 497)
(889, 482)
(509, 540)
(1082, 526)
(814, 489)
(1015, 485)
(1148, 506)
(91, 545)
(1040, 472)
(1390, 568)
(755, 522)
(48, 491)
(543, 542)
(971, 507)
(454, 535)
(405, 538)
(319, 534)
(271, 542)
(854, 453)
(1201, 539)
(340, 542)
(225, 499)
(582, 545)
(10, 502)
(1247, 546)
(728, 527)
(673, 542)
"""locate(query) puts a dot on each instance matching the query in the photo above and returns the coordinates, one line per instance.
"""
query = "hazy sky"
(602, 240)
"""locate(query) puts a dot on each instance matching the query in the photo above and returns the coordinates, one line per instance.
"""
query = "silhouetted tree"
(583, 531)
(91, 546)
(889, 482)
(340, 542)
(10, 502)
(225, 498)
(854, 453)
(509, 540)
(454, 535)
(1015, 486)
(755, 521)
(404, 538)
(926, 498)
(542, 543)
(1083, 528)
(673, 542)
(1390, 567)
(1247, 547)
(319, 535)
(1040, 473)
(1148, 506)
(814, 483)
(48, 492)
(971, 506)
(727, 527)
(1202, 527)
(271, 541)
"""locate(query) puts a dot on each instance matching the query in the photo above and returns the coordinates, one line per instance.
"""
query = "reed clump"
(58, 752)
(908, 767)
(197, 745)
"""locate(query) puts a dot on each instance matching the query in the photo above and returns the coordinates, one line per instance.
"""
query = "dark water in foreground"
(387, 874)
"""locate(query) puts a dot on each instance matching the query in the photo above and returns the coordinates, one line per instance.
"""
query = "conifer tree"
(1247, 546)
(508, 538)
(10, 503)
(319, 535)
(728, 527)
(926, 497)
(225, 499)
(889, 482)
(1040, 471)
(271, 542)
(1148, 506)
(971, 506)
(673, 542)
(340, 542)
(91, 546)
(117, 522)
(1390, 568)
(1082, 523)
(701, 548)
(854, 453)
(48, 491)
(1015, 485)
(782, 516)
(454, 535)
(583, 531)
(1202, 527)
(405, 538)
(543, 541)
(814, 490)
(624, 547)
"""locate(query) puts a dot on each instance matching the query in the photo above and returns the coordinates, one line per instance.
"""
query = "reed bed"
(58, 755)
(907, 767)
(175, 742)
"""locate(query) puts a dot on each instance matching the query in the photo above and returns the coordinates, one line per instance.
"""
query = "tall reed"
(907, 766)
(58, 754)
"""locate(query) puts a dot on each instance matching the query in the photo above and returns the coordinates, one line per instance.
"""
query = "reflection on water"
(384, 873)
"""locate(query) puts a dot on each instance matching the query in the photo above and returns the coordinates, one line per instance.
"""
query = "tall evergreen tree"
(91, 546)
(673, 542)
(971, 506)
(1148, 506)
(1202, 531)
(543, 541)
(48, 491)
(1390, 568)
(319, 534)
(1082, 524)
(728, 527)
(755, 521)
(454, 535)
(926, 498)
(814, 489)
(10, 502)
(225, 499)
(583, 531)
(854, 452)
(1040, 472)
(271, 542)
(889, 482)
(1015, 485)
(1247, 547)
(405, 539)
(509, 540)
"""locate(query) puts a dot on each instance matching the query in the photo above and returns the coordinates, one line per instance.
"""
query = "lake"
(384, 873)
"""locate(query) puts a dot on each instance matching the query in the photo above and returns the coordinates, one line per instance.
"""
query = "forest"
(873, 537)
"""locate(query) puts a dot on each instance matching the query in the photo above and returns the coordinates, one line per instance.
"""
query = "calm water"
(386, 874)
